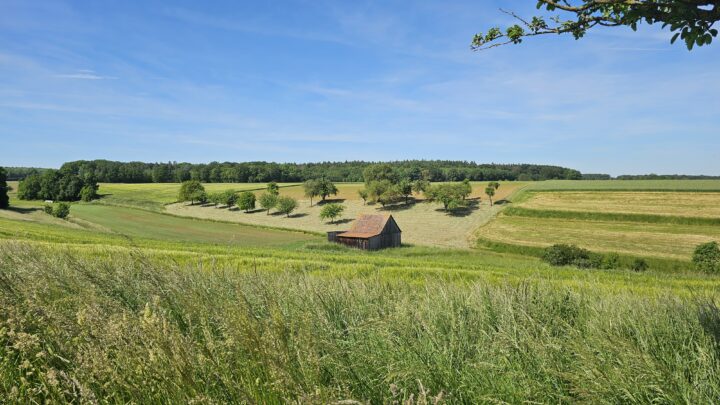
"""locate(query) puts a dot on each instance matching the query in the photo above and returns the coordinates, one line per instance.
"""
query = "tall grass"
(78, 328)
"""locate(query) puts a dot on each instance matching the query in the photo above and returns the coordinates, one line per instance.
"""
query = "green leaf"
(674, 37)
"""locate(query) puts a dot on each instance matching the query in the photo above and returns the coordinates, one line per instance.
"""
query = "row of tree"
(58, 185)
(263, 172)
(194, 191)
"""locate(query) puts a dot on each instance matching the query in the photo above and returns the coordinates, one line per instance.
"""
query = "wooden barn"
(370, 232)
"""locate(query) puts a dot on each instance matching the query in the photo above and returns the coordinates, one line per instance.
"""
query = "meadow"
(120, 304)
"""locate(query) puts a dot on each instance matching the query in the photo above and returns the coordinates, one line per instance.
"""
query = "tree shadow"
(471, 206)
(398, 207)
(502, 202)
(23, 210)
(254, 211)
(342, 221)
(298, 215)
(330, 201)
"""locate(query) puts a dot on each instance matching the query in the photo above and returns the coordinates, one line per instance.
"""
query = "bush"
(88, 193)
(707, 257)
(571, 255)
(639, 265)
(61, 210)
(246, 201)
(611, 261)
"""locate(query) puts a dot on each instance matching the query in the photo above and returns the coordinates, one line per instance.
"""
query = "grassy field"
(127, 305)
(113, 325)
(625, 185)
(422, 223)
(656, 203)
(619, 216)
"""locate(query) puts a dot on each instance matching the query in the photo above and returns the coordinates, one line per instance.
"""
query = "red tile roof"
(367, 226)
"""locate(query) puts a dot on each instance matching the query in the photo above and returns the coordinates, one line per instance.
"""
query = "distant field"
(657, 203)
(155, 195)
(629, 185)
(140, 223)
(652, 240)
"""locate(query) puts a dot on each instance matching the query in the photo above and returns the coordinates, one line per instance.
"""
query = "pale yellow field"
(422, 223)
(656, 240)
(692, 204)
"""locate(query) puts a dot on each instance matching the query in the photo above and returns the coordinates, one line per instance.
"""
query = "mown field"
(611, 216)
(125, 305)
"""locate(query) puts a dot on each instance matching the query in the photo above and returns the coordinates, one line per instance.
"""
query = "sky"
(304, 81)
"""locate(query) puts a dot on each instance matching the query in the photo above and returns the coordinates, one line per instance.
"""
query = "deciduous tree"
(286, 205)
(4, 199)
(246, 201)
(192, 191)
(690, 20)
(332, 211)
(273, 188)
(268, 201)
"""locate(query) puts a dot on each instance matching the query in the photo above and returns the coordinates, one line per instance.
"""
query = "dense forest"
(261, 172)
(19, 173)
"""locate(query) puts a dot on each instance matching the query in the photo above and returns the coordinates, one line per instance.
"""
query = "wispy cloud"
(83, 74)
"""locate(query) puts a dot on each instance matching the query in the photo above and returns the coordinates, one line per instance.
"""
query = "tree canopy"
(58, 185)
(690, 20)
(192, 191)
(4, 200)
(332, 211)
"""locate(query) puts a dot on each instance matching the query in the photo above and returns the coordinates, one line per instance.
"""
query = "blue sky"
(314, 80)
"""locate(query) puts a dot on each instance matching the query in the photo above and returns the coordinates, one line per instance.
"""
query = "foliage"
(60, 210)
(319, 187)
(571, 255)
(691, 21)
(273, 188)
(331, 211)
(311, 189)
(405, 189)
(246, 201)
(191, 190)
(707, 257)
(286, 205)
(20, 173)
(215, 198)
(4, 200)
(264, 172)
(268, 201)
(364, 195)
(124, 326)
(88, 193)
(490, 192)
(228, 198)
(420, 186)
(639, 265)
(57, 185)
(450, 195)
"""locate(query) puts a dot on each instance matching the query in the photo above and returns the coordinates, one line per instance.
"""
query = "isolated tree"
(4, 199)
(191, 190)
(490, 192)
(273, 188)
(268, 201)
(332, 211)
(363, 193)
(326, 188)
(312, 189)
(286, 205)
(690, 20)
(228, 198)
(246, 201)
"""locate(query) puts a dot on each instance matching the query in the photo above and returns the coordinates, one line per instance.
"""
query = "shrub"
(639, 265)
(571, 255)
(61, 210)
(707, 257)
(611, 261)
(268, 201)
(88, 193)
(48, 209)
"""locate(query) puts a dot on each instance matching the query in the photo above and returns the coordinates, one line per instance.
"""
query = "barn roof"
(367, 226)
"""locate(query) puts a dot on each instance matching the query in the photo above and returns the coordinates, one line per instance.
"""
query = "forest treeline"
(105, 171)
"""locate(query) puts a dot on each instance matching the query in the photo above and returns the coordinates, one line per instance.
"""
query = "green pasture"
(625, 185)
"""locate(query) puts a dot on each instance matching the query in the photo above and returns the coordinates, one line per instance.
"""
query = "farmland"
(229, 310)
